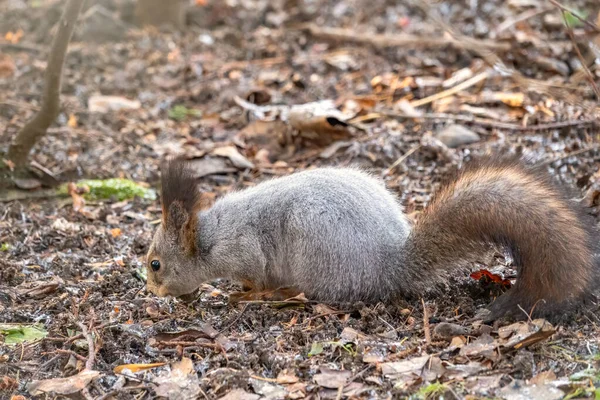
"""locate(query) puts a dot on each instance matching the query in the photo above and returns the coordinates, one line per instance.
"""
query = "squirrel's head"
(172, 258)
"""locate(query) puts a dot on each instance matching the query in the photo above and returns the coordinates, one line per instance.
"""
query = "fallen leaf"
(484, 274)
(8, 384)
(180, 382)
(234, 156)
(543, 377)
(396, 369)
(39, 289)
(315, 349)
(447, 330)
(21, 333)
(72, 122)
(14, 37)
(210, 166)
(332, 379)
(136, 367)
(510, 99)
(239, 394)
(287, 377)
(115, 232)
(68, 385)
(7, 66)
(104, 104)
(78, 200)
(484, 346)
(269, 390)
(528, 333)
(519, 390)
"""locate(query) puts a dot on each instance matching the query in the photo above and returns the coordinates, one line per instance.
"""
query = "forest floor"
(227, 95)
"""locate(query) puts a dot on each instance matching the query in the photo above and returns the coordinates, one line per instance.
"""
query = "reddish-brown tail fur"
(501, 201)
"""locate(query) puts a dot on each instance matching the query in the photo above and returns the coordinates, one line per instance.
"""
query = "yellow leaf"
(72, 123)
(14, 37)
(511, 99)
(116, 232)
(136, 367)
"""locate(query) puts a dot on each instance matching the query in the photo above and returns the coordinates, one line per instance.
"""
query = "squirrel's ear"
(176, 217)
(182, 226)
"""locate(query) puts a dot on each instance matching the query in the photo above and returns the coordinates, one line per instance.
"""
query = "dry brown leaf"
(39, 289)
(8, 384)
(234, 156)
(7, 66)
(78, 201)
(287, 377)
(332, 379)
(68, 385)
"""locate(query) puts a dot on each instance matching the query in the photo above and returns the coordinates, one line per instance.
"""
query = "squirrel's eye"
(155, 264)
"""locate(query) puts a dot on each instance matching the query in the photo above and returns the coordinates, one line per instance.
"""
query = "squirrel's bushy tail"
(501, 201)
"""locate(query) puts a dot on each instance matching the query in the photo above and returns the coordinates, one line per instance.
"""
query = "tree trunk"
(27, 137)
(161, 12)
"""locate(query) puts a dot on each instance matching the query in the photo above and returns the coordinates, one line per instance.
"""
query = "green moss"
(180, 113)
(4, 247)
(431, 391)
(117, 188)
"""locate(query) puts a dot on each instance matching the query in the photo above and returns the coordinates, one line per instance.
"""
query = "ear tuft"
(177, 217)
(180, 202)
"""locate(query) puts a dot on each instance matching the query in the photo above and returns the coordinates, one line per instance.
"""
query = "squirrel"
(338, 235)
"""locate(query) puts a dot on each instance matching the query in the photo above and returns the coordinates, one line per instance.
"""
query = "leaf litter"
(262, 100)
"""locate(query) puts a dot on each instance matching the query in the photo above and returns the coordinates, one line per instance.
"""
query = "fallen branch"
(402, 40)
(24, 141)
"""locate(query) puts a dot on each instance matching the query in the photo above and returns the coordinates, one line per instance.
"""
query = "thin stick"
(453, 90)
(574, 153)
(426, 323)
(401, 159)
(89, 364)
(494, 124)
(403, 40)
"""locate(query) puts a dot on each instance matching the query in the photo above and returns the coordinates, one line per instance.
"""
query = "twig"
(404, 40)
(588, 73)
(574, 153)
(574, 14)
(67, 352)
(89, 364)
(520, 18)
(494, 124)
(235, 320)
(453, 90)
(426, 323)
(197, 344)
(401, 159)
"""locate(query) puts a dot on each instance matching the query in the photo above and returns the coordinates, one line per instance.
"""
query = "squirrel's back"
(335, 233)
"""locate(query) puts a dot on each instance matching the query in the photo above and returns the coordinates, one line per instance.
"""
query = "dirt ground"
(225, 94)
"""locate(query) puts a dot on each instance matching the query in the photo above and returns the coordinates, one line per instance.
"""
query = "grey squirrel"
(338, 235)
